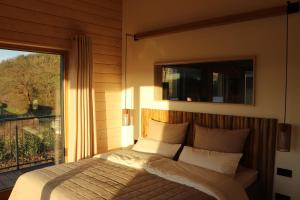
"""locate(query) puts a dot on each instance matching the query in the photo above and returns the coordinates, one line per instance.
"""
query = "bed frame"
(259, 151)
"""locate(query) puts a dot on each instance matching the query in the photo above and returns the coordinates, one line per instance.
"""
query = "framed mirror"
(215, 81)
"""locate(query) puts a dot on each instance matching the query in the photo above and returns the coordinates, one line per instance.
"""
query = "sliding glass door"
(31, 109)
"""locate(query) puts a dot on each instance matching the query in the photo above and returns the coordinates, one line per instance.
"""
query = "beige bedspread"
(97, 178)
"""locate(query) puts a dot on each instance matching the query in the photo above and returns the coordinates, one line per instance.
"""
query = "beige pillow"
(156, 147)
(225, 163)
(169, 133)
(221, 140)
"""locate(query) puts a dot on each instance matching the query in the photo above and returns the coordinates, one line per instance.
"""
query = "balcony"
(28, 143)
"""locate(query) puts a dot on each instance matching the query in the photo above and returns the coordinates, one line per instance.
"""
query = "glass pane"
(218, 90)
(30, 109)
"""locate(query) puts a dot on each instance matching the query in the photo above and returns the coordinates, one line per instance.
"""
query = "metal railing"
(29, 141)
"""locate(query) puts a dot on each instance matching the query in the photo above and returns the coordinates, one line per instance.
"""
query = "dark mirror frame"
(158, 68)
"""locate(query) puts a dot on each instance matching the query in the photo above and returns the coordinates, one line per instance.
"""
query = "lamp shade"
(284, 137)
(127, 117)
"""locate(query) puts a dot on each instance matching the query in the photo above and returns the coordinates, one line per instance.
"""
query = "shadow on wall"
(108, 119)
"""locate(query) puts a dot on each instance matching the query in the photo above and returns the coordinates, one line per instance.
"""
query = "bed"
(259, 151)
(128, 174)
(125, 174)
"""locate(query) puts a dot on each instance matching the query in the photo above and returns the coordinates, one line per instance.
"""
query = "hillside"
(33, 78)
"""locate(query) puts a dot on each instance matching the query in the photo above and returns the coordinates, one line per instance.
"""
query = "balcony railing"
(30, 141)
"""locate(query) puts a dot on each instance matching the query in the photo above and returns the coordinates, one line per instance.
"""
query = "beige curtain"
(80, 112)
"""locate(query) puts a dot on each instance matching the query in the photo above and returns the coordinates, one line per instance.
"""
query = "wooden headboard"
(259, 151)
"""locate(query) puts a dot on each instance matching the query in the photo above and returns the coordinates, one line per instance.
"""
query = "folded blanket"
(129, 158)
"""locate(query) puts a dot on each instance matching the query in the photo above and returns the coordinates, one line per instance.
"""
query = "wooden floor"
(8, 179)
(4, 194)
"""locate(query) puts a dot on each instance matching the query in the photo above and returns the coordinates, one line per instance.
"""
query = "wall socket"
(284, 172)
(279, 196)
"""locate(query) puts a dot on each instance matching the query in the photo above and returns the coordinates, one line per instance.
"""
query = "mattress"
(114, 176)
(245, 176)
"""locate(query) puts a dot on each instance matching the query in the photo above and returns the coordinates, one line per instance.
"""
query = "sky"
(7, 54)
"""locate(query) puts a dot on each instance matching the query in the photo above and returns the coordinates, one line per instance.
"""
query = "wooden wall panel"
(99, 10)
(109, 4)
(51, 24)
(107, 69)
(108, 50)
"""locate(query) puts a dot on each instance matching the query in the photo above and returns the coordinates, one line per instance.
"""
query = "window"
(31, 109)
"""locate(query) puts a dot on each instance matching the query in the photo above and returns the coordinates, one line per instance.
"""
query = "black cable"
(125, 66)
(286, 61)
(125, 72)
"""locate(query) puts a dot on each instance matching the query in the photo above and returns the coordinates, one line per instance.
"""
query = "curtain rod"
(218, 21)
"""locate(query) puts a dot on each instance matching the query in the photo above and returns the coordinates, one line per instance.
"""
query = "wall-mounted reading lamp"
(127, 113)
(285, 129)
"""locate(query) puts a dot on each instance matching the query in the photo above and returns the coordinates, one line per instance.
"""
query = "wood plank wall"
(51, 24)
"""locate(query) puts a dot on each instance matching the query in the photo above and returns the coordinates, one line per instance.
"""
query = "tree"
(27, 78)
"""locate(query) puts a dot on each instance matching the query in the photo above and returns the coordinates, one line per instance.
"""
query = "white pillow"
(153, 146)
(225, 163)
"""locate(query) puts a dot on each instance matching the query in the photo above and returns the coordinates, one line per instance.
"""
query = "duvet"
(123, 175)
